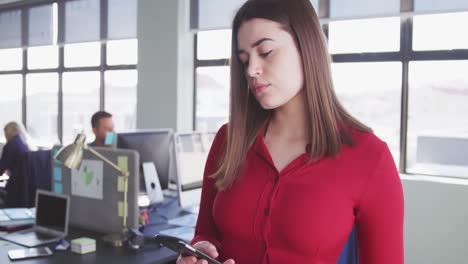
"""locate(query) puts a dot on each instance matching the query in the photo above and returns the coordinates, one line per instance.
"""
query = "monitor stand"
(153, 186)
(170, 193)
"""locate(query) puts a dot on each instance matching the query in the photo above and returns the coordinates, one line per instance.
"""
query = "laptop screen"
(51, 212)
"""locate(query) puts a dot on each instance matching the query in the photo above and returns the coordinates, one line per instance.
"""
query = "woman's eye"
(265, 54)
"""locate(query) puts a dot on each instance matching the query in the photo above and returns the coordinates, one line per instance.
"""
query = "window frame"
(405, 55)
(61, 69)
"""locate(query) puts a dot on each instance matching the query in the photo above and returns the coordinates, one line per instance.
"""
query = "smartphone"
(26, 253)
(180, 246)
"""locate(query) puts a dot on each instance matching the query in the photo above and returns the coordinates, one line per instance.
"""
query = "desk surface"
(105, 254)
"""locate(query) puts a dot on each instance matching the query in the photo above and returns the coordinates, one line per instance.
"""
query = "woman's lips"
(259, 88)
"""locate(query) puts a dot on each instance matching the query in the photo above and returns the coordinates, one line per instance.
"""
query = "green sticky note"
(83, 241)
(121, 184)
(122, 162)
(121, 206)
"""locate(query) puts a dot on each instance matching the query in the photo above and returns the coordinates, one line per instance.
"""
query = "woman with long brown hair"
(292, 172)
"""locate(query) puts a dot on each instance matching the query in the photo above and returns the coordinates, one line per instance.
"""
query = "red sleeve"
(379, 217)
(206, 228)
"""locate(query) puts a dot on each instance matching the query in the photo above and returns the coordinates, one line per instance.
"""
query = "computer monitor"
(191, 150)
(153, 146)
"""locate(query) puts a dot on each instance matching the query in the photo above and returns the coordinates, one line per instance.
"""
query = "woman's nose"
(254, 68)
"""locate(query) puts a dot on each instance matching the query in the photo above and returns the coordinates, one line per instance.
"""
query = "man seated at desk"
(103, 126)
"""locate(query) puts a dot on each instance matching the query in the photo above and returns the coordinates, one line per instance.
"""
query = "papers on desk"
(186, 229)
(3, 242)
(17, 216)
(187, 220)
(4, 177)
(63, 245)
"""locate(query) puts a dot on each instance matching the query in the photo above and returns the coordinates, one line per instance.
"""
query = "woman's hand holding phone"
(205, 247)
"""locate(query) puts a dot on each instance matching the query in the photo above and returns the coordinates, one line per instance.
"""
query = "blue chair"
(349, 255)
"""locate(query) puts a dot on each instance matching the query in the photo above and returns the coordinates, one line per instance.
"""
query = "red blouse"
(305, 213)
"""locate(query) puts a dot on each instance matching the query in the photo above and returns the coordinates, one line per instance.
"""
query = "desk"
(109, 255)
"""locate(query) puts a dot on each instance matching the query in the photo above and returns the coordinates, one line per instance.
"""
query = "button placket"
(267, 212)
(259, 224)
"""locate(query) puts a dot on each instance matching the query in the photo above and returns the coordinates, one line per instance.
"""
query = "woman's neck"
(290, 120)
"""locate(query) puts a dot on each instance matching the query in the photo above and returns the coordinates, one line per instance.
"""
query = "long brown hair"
(330, 123)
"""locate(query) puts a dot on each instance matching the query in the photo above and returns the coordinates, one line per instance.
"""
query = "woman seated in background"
(17, 144)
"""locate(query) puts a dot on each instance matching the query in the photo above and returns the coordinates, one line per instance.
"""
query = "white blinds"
(349, 9)
(216, 14)
(41, 28)
(422, 6)
(122, 21)
(82, 21)
(10, 29)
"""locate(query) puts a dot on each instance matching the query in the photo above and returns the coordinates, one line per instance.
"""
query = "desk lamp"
(71, 157)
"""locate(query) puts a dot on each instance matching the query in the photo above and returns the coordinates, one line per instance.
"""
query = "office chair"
(349, 255)
(33, 172)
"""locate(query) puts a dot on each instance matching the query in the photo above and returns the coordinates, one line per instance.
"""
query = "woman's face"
(273, 65)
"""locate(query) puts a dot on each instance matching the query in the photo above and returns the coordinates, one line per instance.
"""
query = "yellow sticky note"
(121, 209)
(122, 162)
(121, 184)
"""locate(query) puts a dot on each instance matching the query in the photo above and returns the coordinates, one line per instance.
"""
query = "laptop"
(51, 225)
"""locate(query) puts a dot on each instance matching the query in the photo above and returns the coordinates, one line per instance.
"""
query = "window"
(411, 89)
(212, 79)
(437, 121)
(121, 94)
(82, 54)
(121, 22)
(10, 26)
(82, 20)
(440, 32)
(42, 107)
(11, 59)
(43, 57)
(364, 35)
(214, 44)
(371, 92)
(80, 102)
(122, 52)
(42, 26)
(66, 75)
(11, 100)
(212, 102)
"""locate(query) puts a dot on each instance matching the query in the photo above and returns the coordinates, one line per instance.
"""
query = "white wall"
(165, 65)
(436, 220)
